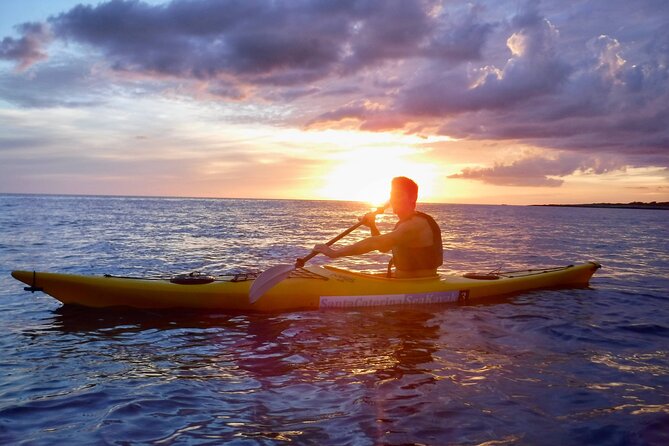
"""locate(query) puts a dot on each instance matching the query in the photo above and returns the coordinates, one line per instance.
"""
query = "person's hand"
(369, 219)
(325, 250)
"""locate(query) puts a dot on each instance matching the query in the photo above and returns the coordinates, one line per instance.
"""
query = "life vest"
(407, 258)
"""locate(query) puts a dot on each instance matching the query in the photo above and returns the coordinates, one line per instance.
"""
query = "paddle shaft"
(277, 273)
(299, 263)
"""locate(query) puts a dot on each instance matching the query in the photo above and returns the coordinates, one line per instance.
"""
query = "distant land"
(632, 205)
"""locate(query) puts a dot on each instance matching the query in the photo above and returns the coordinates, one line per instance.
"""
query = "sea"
(586, 366)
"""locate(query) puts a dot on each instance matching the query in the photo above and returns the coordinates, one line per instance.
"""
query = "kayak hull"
(312, 287)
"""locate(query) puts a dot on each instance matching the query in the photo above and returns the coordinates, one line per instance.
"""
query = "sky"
(491, 102)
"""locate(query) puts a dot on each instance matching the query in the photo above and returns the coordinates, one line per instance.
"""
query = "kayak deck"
(311, 287)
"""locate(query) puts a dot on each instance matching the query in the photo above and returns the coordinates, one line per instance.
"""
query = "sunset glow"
(367, 178)
(365, 174)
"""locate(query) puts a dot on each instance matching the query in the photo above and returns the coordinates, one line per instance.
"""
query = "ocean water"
(552, 367)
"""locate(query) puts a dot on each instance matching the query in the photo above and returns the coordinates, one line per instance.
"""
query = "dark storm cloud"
(459, 38)
(604, 106)
(261, 41)
(535, 70)
(391, 30)
(203, 39)
(597, 96)
(257, 41)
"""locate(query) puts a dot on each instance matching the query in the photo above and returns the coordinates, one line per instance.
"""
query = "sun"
(365, 174)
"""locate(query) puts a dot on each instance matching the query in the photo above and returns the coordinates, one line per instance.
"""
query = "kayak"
(310, 287)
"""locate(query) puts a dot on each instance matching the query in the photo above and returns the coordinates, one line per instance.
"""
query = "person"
(415, 241)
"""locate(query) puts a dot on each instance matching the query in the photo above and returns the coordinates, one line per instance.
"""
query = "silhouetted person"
(415, 240)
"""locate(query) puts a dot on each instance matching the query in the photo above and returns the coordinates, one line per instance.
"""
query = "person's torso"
(423, 253)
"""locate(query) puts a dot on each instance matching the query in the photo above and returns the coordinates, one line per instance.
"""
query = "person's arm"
(369, 220)
(385, 242)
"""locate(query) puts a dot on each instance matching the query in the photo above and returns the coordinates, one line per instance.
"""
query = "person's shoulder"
(418, 221)
(423, 215)
(428, 219)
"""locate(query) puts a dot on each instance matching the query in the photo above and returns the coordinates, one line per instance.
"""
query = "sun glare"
(365, 175)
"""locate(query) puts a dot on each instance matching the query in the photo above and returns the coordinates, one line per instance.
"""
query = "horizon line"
(46, 194)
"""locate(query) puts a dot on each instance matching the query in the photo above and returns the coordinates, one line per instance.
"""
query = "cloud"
(358, 110)
(54, 85)
(261, 42)
(256, 41)
(589, 98)
(459, 37)
(27, 49)
(538, 171)
(535, 68)
(545, 74)
(173, 153)
(391, 30)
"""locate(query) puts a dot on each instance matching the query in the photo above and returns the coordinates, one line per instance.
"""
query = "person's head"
(403, 194)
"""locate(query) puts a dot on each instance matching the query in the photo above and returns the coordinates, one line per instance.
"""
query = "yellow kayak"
(311, 287)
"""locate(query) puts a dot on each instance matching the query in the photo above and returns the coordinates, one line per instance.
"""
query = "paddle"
(278, 273)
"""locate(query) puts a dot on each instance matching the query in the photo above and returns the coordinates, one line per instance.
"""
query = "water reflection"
(372, 368)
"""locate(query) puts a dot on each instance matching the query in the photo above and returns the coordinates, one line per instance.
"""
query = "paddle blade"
(268, 279)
